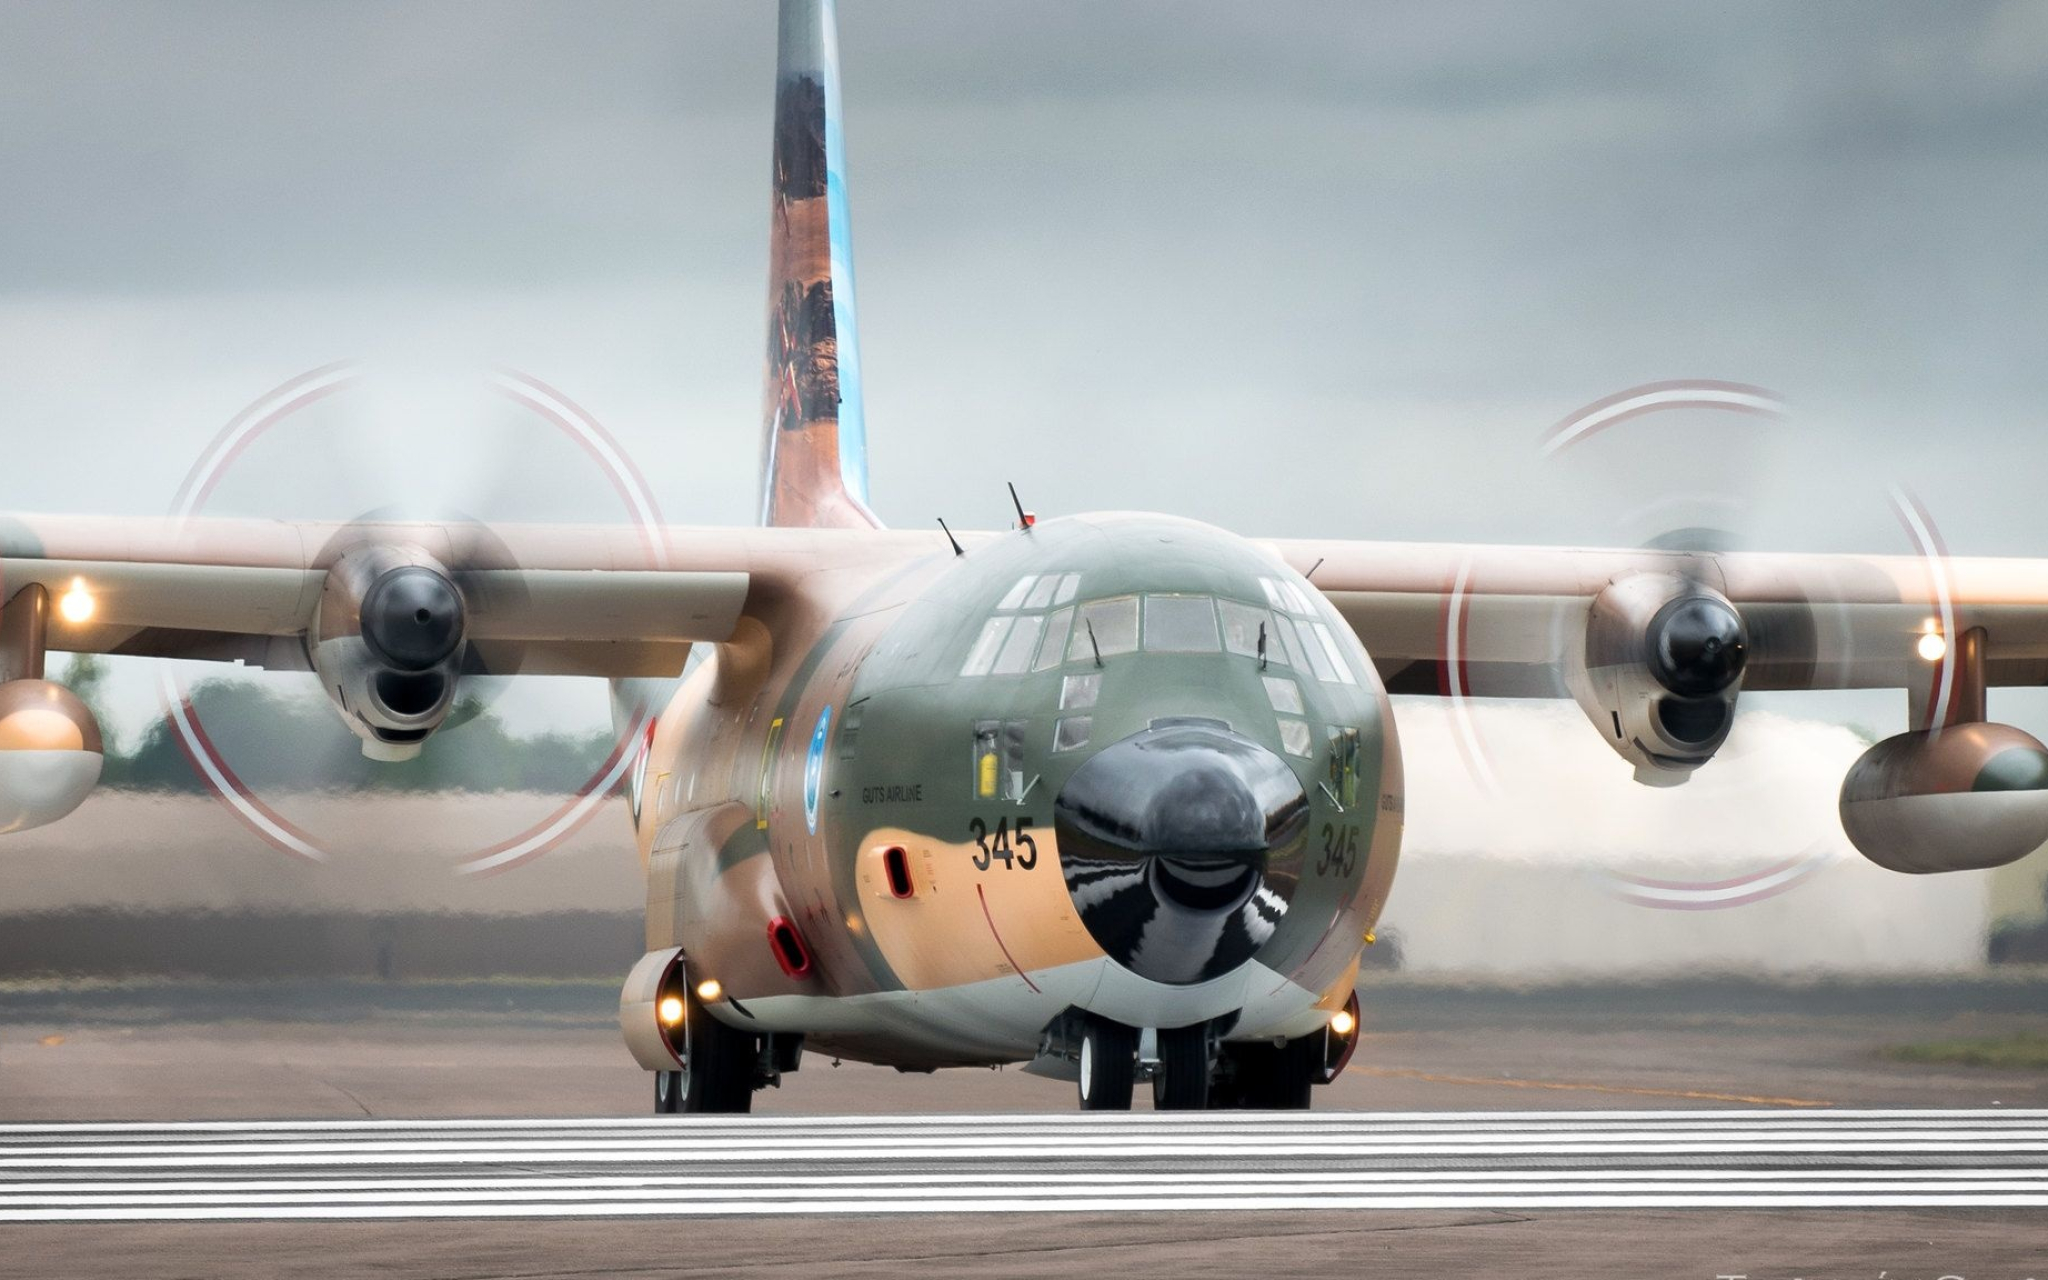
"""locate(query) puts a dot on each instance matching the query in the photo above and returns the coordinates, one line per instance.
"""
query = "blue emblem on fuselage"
(814, 769)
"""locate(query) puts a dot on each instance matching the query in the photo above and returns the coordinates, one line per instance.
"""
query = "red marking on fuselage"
(980, 893)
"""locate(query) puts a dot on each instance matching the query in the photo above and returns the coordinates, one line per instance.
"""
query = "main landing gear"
(1195, 1072)
(717, 1072)
(720, 1066)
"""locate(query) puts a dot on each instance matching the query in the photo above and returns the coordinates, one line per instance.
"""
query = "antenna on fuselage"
(1024, 518)
(1312, 568)
(957, 549)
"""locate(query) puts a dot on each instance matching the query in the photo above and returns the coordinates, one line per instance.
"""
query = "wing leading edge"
(1506, 617)
(552, 600)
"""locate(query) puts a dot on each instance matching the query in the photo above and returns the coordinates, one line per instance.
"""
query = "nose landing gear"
(1187, 1061)
(1196, 1070)
(1109, 1065)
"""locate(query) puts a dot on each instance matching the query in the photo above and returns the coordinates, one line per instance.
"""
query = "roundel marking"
(814, 769)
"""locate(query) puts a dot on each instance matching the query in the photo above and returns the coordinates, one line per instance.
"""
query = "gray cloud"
(1307, 268)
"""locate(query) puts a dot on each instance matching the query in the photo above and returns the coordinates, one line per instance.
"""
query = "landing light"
(1342, 1023)
(709, 990)
(671, 1011)
(77, 604)
(1933, 646)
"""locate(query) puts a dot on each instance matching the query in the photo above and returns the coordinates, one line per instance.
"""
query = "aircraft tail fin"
(814, 438)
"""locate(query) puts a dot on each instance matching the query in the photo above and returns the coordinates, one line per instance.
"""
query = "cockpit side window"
(982, 655)
(1014, 598)
(1305, 629)
(1053, 649)
(1242, 626)
(1041, 595)
(1017, 651)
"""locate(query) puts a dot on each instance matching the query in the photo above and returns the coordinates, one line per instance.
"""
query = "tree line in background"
(276, 742)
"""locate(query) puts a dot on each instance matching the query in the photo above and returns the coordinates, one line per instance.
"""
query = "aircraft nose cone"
(1165, 840)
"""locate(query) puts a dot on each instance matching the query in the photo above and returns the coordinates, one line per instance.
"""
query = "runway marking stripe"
(1035, 1140)
(1243, 1184)
(403, 1158)
(1318, 1178)
(1035, 1204)
(1571, 1119)
(890, 1165)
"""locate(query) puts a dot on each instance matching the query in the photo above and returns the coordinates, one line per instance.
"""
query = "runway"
(1009, 1164)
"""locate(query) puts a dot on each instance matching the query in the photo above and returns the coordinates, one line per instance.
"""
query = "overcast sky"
(1294, 268)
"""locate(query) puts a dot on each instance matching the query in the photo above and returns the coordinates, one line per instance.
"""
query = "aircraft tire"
(668, 1092)
(718, 1073)
(1183, 1080)
(1109, 1065)
(1277, 1077)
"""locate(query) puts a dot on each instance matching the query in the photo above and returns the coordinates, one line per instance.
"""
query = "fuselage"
(1128, 765)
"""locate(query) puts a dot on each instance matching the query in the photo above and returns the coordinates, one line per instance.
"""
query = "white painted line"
(1315, 1178)
(1034, 1204)
(1220, 1119)
(1249, 1186)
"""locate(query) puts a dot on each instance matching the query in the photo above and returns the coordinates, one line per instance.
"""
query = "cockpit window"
(1284, 694)
(1306, 656)
(1053, 649)
(1017, 651)
(1242, 626)
(1041, 595)
(1307, 637)
(986, 645)
(1014, 598)
(1328, 644)
(1111, 624)
(1078, 693)
(1021, 638)
(1180, 624)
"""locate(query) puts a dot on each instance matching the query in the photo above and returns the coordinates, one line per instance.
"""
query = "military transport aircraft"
(1116, 796)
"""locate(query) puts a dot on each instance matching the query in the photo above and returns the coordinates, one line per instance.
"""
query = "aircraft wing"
(1505, 621)
(560, 600)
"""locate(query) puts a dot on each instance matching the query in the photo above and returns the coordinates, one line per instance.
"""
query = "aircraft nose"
(1166, 839)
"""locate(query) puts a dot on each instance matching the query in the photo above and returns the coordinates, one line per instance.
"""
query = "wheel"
(718, 1065)
(1277, 1077)
(1183, 1080)
(668, 1092)
(1109, 1065)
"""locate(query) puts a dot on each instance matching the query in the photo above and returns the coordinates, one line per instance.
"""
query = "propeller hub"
(412, 618)
(1698, 646)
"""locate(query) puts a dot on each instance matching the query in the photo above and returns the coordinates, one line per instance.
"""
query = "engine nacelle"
(388, 644)
(1968, 797)
(1660, 671)
(50, 753)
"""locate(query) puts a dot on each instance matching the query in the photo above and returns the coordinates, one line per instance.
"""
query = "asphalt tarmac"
(1582, 1093)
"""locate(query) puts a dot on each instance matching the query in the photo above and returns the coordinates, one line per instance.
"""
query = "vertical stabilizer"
(814, 468)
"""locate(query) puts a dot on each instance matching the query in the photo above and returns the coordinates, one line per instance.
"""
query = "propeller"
(373, 448)
(1693, 469)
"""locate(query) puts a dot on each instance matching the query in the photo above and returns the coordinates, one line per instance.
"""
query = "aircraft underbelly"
(999, 1020)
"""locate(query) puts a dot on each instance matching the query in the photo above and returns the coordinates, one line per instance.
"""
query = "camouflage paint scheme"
(974, 964)
(814, 446)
